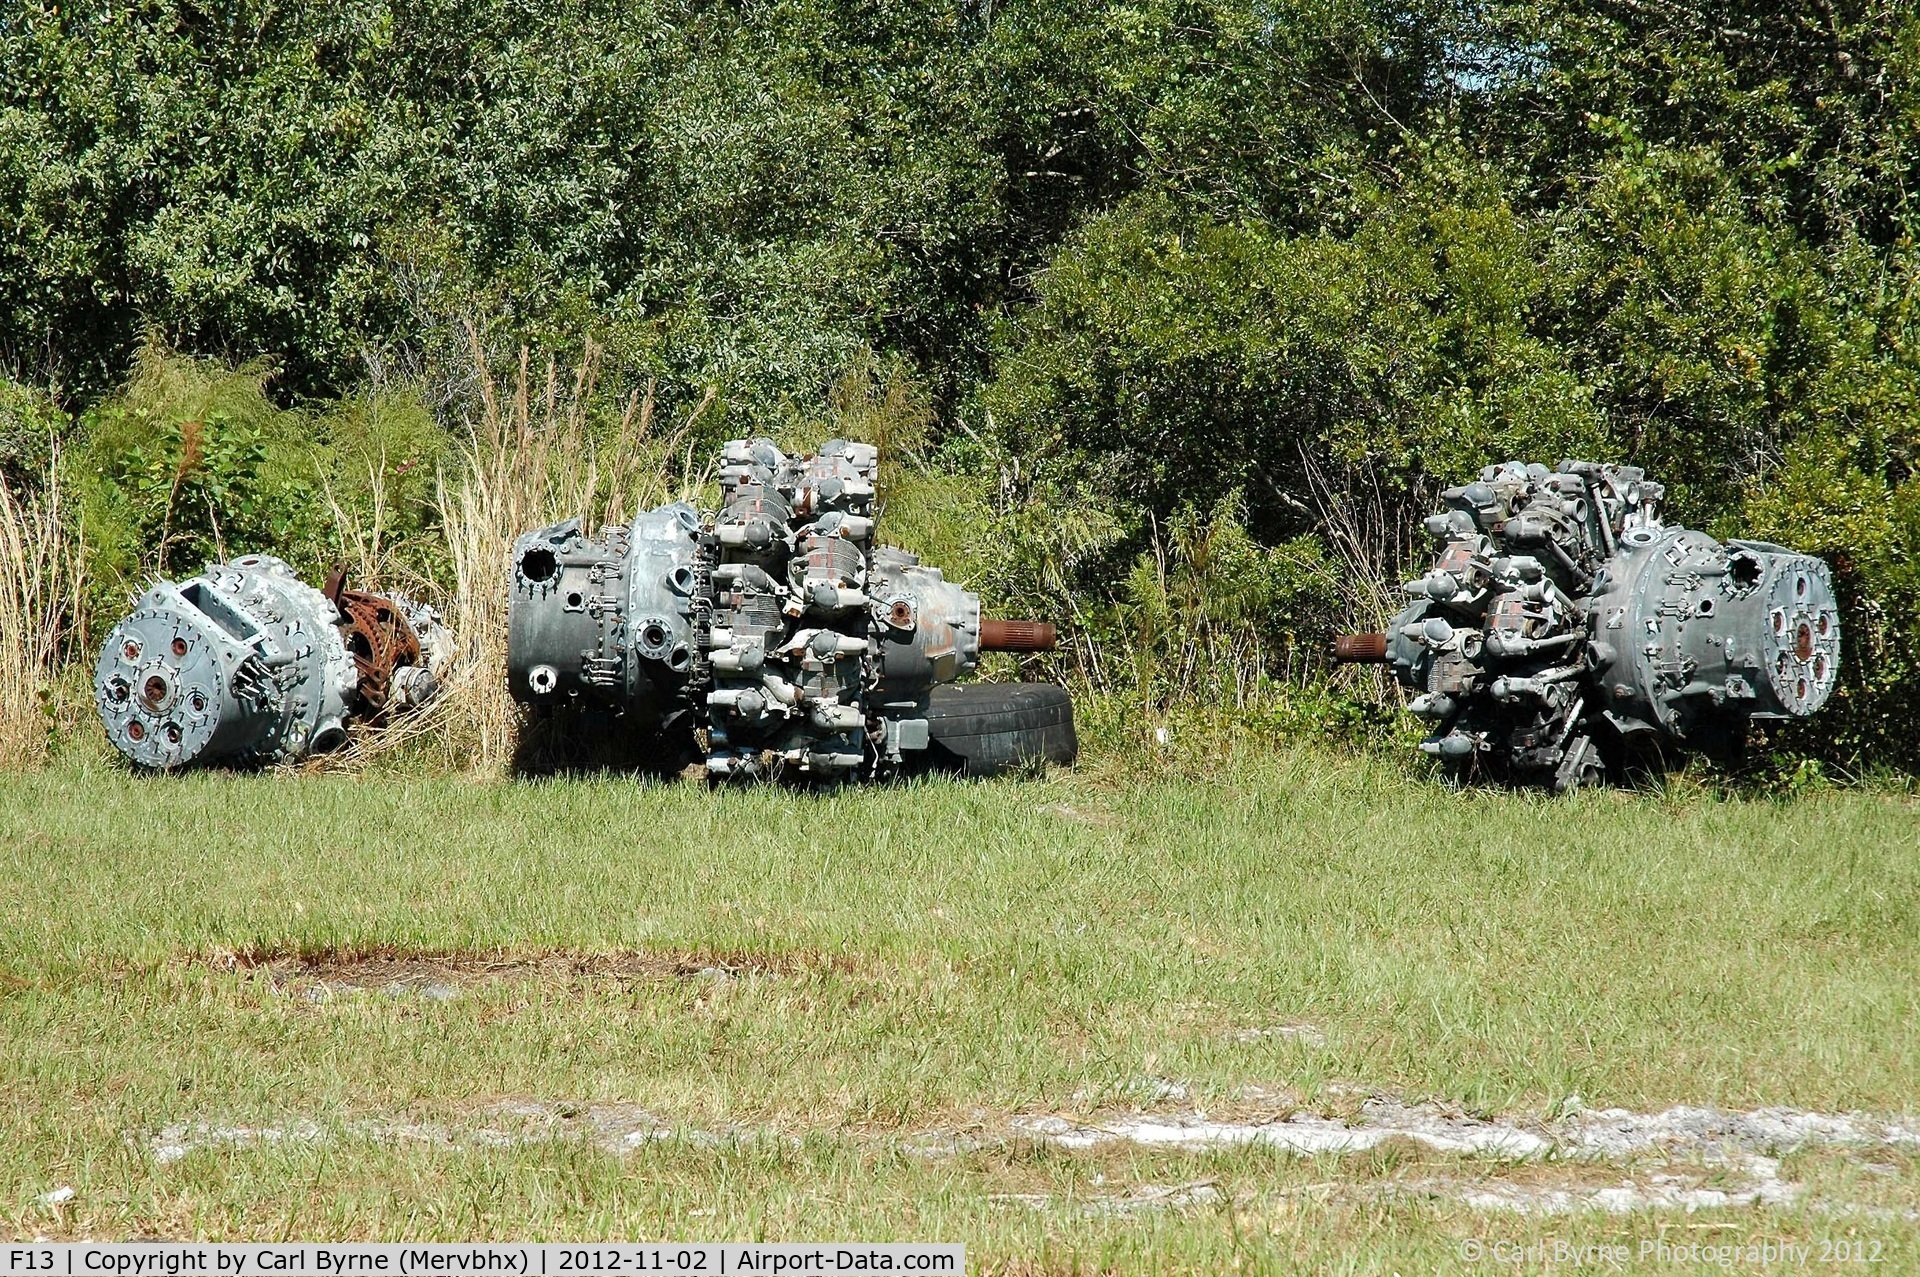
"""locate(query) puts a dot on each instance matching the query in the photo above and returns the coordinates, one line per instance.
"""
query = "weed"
(42, 581)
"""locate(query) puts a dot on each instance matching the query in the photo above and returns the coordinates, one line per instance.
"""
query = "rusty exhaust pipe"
(1360, 649)
(1016, 636)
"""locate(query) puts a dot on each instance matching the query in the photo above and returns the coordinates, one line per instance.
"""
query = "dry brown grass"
(537, 450)
(41, 576)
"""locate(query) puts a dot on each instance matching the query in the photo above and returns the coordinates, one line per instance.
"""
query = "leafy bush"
(192, 463)
(31, 428)
(1209, 614)
(1226, 290)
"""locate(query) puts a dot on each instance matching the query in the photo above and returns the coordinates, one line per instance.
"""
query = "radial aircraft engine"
(1564, 630)
(777, 630)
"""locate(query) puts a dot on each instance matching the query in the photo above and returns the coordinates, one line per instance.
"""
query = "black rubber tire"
(984, 729)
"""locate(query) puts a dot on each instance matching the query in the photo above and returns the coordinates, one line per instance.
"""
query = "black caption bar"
(475, 1259)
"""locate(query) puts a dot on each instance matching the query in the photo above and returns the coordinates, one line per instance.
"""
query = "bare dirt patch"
(441, 976)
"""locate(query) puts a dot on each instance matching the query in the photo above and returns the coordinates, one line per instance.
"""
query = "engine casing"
(246, 664)
(776, 628)
(1563, 625)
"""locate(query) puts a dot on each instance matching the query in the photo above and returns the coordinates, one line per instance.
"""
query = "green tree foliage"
(1204, 357)
(1676, 235)
(741, 195)
(1129, 277)
(1811, 109)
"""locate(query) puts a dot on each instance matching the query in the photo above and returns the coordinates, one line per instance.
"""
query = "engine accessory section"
(775, 628)
(247, 665)
(1564, 629)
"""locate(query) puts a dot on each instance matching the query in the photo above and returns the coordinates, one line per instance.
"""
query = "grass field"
(334, 1007)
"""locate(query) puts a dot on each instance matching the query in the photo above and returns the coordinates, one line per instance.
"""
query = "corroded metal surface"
(378, 637)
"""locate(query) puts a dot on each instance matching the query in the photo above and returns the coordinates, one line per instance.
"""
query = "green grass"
(936, 957)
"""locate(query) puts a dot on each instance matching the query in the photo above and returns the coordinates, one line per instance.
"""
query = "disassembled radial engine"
(1564, 629)
(245, 664)
(776, 630)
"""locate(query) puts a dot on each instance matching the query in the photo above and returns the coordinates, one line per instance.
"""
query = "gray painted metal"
(1563, 624)
(243, 664)
(777, 628)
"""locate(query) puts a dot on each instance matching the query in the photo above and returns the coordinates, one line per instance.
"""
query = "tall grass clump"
(41, 581)
(1209, 616)
(538, 447)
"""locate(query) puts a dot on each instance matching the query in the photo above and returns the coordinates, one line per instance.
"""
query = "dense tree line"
(1195, 266)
